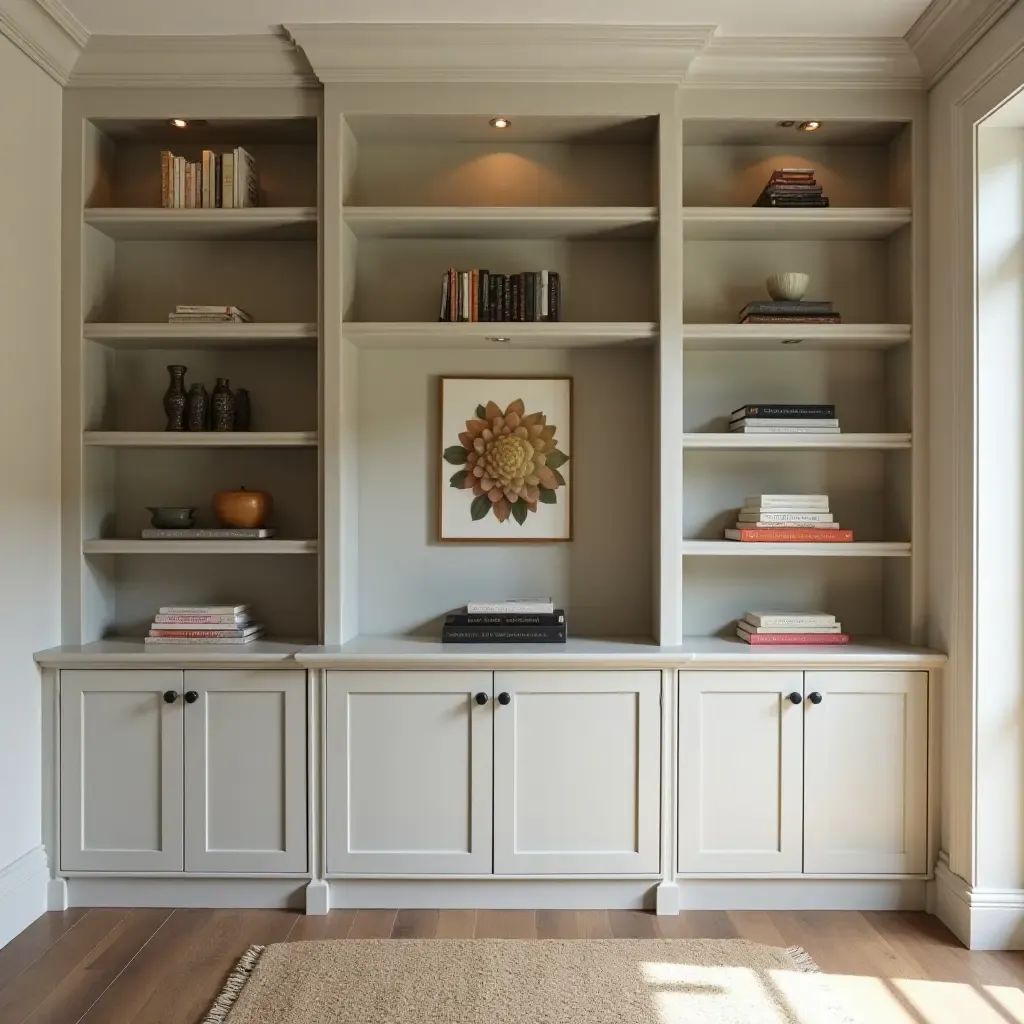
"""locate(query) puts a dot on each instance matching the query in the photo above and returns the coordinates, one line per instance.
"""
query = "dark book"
(483, 284)
(792, 202)
(443, 313)
(522, 296)
(492, 305)
(797, 188)
(531, 296)
(466, 621)
(514, 298)
(453, 295)
(218, 181)
(781, 412)
(786, 307)
(832, 318)
(506, 297)
(526, 635)
(554, 296)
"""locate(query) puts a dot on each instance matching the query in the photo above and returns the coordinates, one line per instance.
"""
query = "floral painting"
(505, 462)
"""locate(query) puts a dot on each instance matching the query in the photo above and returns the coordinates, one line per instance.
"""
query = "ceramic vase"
(243, 409)
(198, 408)
(222, 406)
(174, 398)
(787, 287)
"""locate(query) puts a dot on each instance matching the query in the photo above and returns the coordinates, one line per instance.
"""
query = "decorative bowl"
(788, 287)
(171, 517)
(242, 509)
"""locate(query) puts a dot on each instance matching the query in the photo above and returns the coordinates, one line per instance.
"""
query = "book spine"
(212, 640)
(787, 517)
(484, 293)
(785, 411)
(458, 621)
(522, 298)
(786, 535)
(218, 180)
(508, 608)
(474, 292)
(781, 639)
(214, 609)
(531, 297)
(165, 179)
(232, 621)
(833, 318)
(746, 627)
(524, 636)
(203, 634)
(554, 296)
(464, 295)
(514, 297)
(506, 297)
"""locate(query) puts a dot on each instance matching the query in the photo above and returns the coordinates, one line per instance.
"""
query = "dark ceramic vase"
(222, 406)
(198, 408)
(243, 409)
(174, 398)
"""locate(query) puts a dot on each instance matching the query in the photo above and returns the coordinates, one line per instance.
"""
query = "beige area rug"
(508, 981)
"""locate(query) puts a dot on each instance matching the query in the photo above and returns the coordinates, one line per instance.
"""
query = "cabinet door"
(245, 771)
(120, 771)
(866, 757)
(408, 773)
(740, 772)
(577, 782)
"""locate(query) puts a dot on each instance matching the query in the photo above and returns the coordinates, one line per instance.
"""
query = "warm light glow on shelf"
(500, 122)
(179, 122)
(808, 126)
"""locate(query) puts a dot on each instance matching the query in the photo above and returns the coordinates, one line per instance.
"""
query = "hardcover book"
(790, 618)
(789, 535)
(784, 412)
(205, 534)
(782, 639)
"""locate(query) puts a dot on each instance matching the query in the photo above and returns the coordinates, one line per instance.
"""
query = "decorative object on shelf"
(474, 296)
(174, 398)
(171, 517)
(243, 409)
(789, 287)
(218, 181)
(792, 188)
(512, 479)
(507, 627)
(787, 519)
(784, 419)
(222, 406)
(789, 628)
(205, 624)
(208, 315)
(242, 509)
(198, 408)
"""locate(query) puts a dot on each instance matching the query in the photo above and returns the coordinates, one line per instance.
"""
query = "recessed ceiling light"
(808, 126)
(500, 122)
(785, 124)
(179, 122)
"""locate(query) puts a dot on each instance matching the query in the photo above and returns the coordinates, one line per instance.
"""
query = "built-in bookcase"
(137, 261)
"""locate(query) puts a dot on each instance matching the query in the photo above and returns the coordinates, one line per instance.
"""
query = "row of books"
(792, 187)
(530, 621)
(217, 181)
(208, 315)
(788, 311)
(214, 533)
(204, 624)
(784, 419)
(475, 296)
(784, 628)
(787, 519)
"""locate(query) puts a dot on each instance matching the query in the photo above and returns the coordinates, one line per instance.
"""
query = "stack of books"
(787, 519)
(784, 419)
(217, 181)
(792, 187)
(529, 621)
(204, 533)
(204, 624)
(208, 315)
(473, 296)
(789, 311)
(790, 628)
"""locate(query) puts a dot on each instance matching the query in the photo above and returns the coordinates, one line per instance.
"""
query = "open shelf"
(204, 439)
(485, 335)
(517, 222)
(792, 337)
(857, 549)
(157, 224)
(199, 335)
(782, 442)
(755, 223)
(119, 546)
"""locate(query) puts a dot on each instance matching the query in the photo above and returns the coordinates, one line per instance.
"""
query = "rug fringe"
(232, 989)
(802, 960)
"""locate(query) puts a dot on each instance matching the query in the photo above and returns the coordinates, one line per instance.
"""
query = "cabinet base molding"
(493, 894)
(22, 892)
(979, 918)
(57, 894)
(666, 899)
(184, 893)
(801, 894)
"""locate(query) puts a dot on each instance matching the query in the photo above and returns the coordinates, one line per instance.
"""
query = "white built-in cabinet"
(195, 771)
(817, 772)
(506, 773)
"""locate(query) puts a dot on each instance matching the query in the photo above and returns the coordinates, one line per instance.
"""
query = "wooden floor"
(165, 967)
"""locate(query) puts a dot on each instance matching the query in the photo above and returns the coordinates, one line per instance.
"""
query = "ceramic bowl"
(171, 517)
(787, 287)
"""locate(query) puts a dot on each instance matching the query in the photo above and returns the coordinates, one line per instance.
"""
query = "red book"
(784, 639)
(789, 535)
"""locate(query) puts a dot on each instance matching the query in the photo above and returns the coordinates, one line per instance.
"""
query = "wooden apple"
(242, 509)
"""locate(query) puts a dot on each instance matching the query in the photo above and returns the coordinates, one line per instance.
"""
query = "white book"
(203, 609)
(783, 430)
(746, 627)
(227, 188)
(545, 311)
(200, 640)
(753, 515)
(523, 606)
(790, 524)
(785, 501)
(773, 620)
(185, 620)
(783, 421)
(178, 630)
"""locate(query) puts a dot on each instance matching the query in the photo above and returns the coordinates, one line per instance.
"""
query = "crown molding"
(794, 61)
(948, 29)
(258, 61)
(500, 53)
(46, 32)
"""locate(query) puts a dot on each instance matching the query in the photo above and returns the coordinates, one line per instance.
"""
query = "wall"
(30, 109)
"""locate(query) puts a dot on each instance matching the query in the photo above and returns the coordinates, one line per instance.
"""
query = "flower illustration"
(511, 462)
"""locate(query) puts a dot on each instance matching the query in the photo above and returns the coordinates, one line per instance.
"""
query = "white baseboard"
(22, 893)
(214, 893)
(979, 918)
(801, 894)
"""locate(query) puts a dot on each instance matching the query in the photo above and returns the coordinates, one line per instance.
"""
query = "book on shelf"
(784, 421)
(754, 515)
(203, 609)
(784, 639)
(785, 307)
(204, 633)
(511, 635)
(215, 181)
(766, 428)
(829, 318)
(767, 501)
(463, 620)
(235, 640)
(207, 621)
(793, 521)
(789, 619)
(788, 535)
(833, 627)
(183, 310)
(512, 606)
(479, 296)
(785, 413)
(202, 533)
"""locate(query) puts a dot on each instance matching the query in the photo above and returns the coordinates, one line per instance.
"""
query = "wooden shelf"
(483, 335)
(551, 222)
(796, 442)
(156, 224)
(199, 547)
(792, 337)
(202, 336)
(204, 439)
(858, 549)
(754, 223)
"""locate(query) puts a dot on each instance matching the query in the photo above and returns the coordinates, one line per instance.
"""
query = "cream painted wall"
(30, 113)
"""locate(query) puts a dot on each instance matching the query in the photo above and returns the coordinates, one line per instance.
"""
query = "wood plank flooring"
(108, 966)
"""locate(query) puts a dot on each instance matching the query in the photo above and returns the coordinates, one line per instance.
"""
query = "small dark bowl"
(170, 517)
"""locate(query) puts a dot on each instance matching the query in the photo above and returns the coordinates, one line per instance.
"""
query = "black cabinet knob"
(191, 696)
(504, 698)
(815, 698)
(170, 696)
(795, 697)
(481, 698)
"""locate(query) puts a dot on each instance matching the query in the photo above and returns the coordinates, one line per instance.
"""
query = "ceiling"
(734, 17)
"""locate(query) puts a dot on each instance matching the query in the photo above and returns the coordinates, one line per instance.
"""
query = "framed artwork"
(506, 459)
